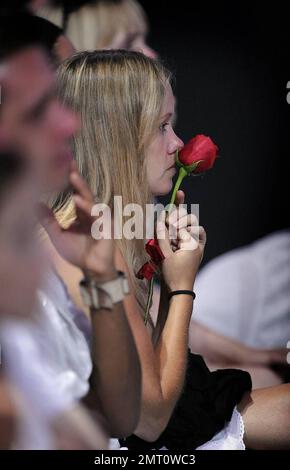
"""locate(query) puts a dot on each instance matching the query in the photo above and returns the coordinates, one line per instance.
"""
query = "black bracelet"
(176, 292)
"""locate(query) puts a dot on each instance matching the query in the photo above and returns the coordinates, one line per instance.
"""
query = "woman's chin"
(167, 188)
(162, 189)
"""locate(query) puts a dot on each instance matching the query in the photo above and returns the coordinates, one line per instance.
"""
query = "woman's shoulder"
(68, 273)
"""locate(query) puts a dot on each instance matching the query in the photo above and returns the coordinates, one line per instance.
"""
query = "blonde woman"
(127, 147)
(101, 24)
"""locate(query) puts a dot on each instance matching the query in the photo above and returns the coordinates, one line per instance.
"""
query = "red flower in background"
(156, 256)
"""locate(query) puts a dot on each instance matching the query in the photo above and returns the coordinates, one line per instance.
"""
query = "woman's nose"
(175, 144)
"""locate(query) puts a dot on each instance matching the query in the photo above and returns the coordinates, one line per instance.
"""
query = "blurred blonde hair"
(119, 97)
(95, 25)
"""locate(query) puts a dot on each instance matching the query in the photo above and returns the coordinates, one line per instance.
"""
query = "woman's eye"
(164, 126)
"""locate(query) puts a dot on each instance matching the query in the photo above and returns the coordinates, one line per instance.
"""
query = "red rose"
(156, 256)
(198, 155)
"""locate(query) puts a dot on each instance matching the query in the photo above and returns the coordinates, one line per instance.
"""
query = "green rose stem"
(149, 299)
(184, 170)
(181, 175)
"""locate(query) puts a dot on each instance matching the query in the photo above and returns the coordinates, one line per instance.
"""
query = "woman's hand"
(184, 253)
(76, 244)
(270, 357)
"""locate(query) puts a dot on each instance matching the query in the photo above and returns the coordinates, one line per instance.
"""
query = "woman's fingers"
(83, 205)
(175, 215)
(186, 240)
(198, 232)
(83, 197)
(80, 186)
(191, 237)
(186, 220)
(179, 198)
(163, 237)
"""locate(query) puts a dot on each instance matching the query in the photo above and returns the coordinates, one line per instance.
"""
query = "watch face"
(126, 289)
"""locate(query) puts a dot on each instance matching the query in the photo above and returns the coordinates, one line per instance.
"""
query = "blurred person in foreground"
(25, 422)
(80, 361)
(242, 310)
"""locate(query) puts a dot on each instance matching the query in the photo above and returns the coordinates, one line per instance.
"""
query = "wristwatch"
(98, 295)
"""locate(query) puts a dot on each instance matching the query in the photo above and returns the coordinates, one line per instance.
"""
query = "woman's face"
(160, 156)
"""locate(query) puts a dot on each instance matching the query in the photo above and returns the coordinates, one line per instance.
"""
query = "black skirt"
(203, 409)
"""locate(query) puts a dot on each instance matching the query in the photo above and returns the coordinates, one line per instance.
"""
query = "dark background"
(232, 64)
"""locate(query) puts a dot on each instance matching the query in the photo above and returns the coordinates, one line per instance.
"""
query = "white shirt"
(245, 294)
(64, 339)
(47, 362)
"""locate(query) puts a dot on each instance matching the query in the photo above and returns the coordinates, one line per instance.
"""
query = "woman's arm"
(114, 391)
(7, 416)
(75, 429)
(116, 378)
(163, 367)
(218, 348)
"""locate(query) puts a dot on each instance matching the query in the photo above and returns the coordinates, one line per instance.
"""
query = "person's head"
(101, 24)
(126, 108)
(32, 120)
(49, 34)
(127, 144)
(21, 262)
(57, 43)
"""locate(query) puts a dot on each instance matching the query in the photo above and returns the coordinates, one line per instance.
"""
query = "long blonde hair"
(119, 97)
(94, 26)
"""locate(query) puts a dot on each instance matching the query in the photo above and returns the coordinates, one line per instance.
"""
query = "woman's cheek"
(165, 184)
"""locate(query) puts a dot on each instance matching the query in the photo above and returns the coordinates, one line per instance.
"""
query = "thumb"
(47, 219)
(179, 198)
